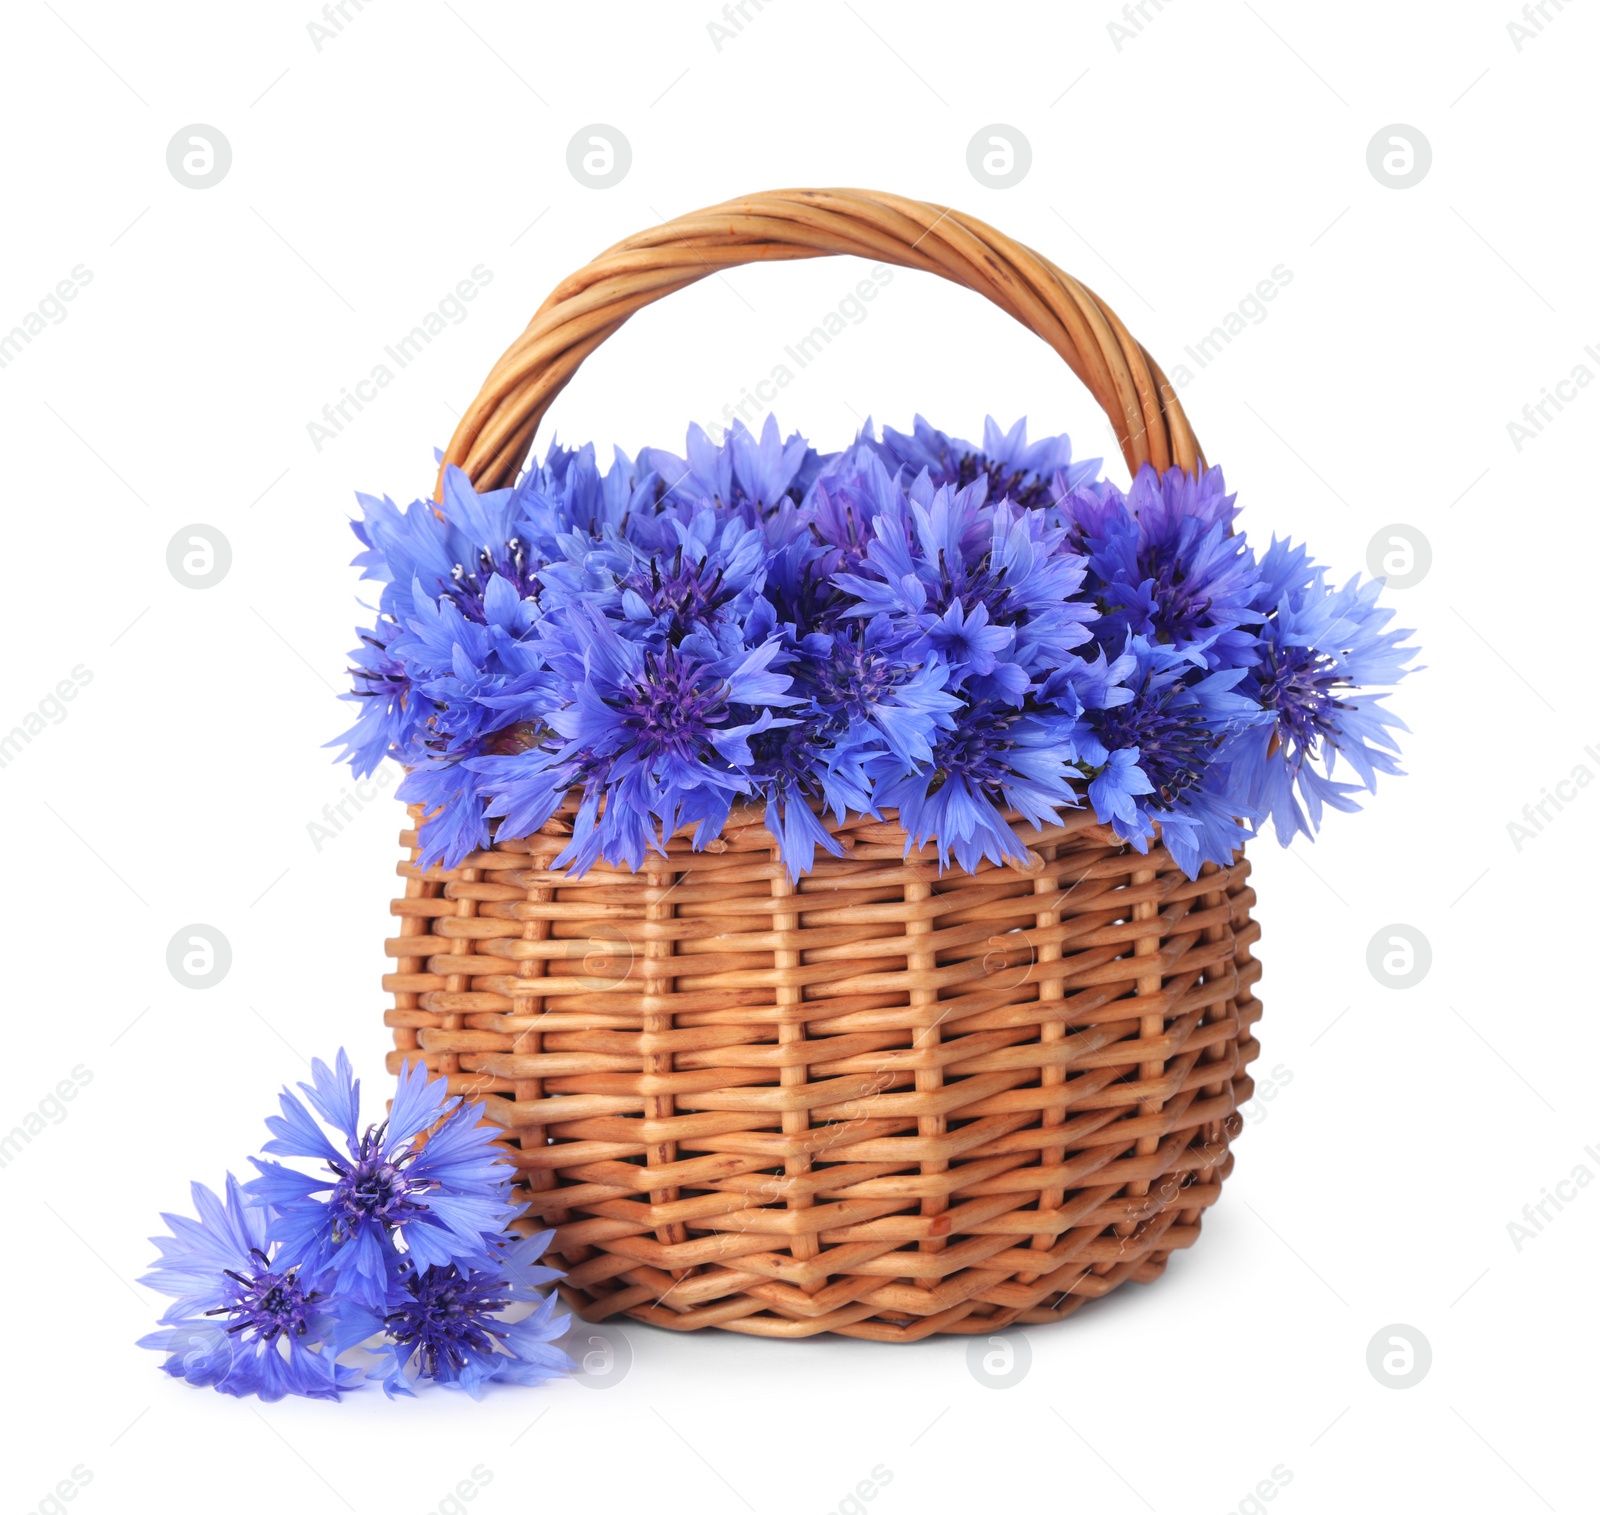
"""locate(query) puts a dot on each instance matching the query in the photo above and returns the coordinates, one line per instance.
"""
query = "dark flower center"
(686, 591)
(448, 1315)
(854, 679)
(669, 713)
(1005, 482)
(267, 1304)
(1299, 684)
(386, 675)
(469, 584)
(1174, 744)
(975, 751)
(1178, 612)
(374, 1189)
(786, 756)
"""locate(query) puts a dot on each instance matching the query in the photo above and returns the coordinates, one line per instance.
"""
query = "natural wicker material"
(883, 1101)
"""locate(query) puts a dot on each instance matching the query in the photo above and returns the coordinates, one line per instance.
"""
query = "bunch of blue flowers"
(390, 1261)
(968, 636)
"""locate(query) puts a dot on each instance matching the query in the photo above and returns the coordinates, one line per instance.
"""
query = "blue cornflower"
(871, 695)
(473, 678)
(1317, 649)
(461, 665)
(844, 504)
(970, 584)
(898, 625)
(1032, 580)
(995, 758)
(568, 496)
(1030, 474)
(714, 571)
(704, 476)
(243, 1320)
(455, 819)
(656, 735)
(458, 604)
(1163, 564)
(768, 471)
(1158, 752)
(582, 526)
(465, 1325)
(859, 698)
(965, 640)
(388, 719)
(745, 474)
(1207, 823)
(428, 1180)
(1116, 789)
(790, 777)
(451, 549)
(801, 761)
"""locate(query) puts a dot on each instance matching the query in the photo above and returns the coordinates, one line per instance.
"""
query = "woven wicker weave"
(885, 1101)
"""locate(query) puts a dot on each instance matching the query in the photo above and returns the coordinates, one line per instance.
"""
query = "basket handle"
(497, 431)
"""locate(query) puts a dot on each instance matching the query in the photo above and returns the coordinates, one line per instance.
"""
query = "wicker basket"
(884, 1101)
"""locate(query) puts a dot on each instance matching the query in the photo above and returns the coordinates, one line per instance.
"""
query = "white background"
(1171, 173)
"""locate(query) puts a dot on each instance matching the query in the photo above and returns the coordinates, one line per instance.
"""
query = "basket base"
(864, 1323)
(887, 1102)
